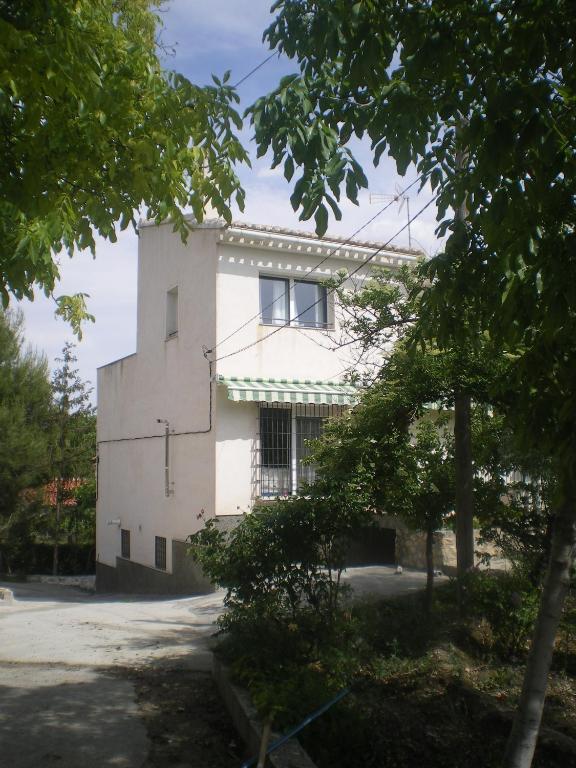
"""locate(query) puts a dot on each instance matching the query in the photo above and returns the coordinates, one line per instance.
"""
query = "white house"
(234, 370)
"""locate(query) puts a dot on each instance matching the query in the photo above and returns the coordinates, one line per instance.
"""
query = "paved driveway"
(52, 624)
(62, 701)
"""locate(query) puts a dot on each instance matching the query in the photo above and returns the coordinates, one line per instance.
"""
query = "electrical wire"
(317, 266)
(329, 291)
(173, 433)
(256, 68)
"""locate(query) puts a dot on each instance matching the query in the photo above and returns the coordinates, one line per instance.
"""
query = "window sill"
(295, 327)
(171, 336)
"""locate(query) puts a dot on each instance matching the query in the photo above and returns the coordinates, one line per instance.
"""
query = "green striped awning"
(289, 391)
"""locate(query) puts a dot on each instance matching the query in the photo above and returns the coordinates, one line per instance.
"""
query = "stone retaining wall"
(411, 549)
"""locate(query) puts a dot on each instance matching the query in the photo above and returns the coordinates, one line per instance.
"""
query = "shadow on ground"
(54, 716)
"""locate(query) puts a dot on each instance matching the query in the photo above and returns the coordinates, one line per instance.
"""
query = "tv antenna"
(398, 197)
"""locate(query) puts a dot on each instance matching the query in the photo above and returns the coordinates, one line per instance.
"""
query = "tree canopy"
(93, 128)
(25, 408)
(479, 95)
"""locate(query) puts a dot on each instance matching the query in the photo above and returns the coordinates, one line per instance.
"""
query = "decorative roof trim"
(305, 243)
(266, 237)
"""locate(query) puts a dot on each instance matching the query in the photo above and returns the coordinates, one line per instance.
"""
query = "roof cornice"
(305, 243)
(265, 237)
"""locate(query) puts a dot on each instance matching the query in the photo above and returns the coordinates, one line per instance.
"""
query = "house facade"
(236, 367)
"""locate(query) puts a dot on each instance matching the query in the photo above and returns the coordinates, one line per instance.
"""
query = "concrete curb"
(249, 727)
(6, 596)
(87, 583)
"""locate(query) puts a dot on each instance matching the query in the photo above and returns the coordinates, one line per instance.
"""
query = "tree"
(92, 129)
(430, 485)
(73, 440)
(389, 308)
(499, 74)
(25, 400)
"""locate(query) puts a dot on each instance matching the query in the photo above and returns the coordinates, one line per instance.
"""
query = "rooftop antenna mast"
(398, 197)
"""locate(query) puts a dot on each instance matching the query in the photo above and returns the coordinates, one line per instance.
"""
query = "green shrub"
(502, 609)
(288, 636)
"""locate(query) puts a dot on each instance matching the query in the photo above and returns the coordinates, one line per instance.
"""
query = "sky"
(201, 37)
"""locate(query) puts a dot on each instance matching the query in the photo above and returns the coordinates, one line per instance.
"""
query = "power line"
(348, 241)
(256, 68)
(330, 290)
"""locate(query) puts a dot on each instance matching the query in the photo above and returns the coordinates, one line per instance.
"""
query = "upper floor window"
(274, 300)
(294, 302)
(172, 312)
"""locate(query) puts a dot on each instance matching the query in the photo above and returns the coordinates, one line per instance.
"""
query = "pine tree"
(73, 439)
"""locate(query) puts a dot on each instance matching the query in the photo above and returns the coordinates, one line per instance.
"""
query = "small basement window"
(125, 543)
(160, 553)
(172, 313)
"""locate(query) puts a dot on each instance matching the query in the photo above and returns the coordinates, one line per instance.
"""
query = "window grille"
(275, 451)
(160, 553)
(307, 428)
(284, 434)
(125, 543)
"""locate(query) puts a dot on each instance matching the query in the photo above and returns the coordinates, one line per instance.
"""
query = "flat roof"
(269, 229)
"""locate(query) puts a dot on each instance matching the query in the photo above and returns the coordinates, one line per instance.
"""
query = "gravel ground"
(120, 681)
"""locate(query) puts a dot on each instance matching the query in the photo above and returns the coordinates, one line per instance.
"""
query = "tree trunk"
(56, 534)
(524, 735)
(429, 568)
(464, 485)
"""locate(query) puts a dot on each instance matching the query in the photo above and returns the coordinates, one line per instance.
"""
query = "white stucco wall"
(166, 379)
(236, 455)
(217, 275)
(292, 353)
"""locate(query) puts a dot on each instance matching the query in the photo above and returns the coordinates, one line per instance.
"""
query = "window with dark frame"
(160, 553)
(274, 300)
(310, 304)
(125, 543)
(303, 303)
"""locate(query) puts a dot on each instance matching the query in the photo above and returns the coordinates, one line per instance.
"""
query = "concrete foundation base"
(186, 578)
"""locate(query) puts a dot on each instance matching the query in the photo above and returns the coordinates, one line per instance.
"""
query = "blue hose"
(300, 727)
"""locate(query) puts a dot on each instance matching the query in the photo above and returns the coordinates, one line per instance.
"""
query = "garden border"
(248, 725)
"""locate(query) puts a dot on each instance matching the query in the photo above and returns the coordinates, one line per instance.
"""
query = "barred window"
(284, 435)
(160, 553)
(125, 543)
(307, 428)
(275, 451)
